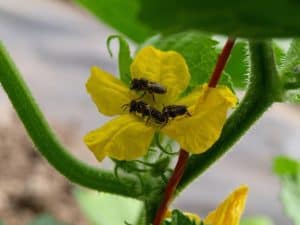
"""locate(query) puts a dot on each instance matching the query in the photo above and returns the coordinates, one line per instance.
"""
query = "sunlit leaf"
(290, 197)
(258, 220)
(104, 208)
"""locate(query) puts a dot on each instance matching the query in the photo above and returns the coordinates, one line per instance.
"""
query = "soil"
(29, 186)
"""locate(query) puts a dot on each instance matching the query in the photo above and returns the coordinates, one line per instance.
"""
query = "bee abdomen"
(175, 110)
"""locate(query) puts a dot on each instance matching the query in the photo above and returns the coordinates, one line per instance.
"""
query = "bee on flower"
(128, 136)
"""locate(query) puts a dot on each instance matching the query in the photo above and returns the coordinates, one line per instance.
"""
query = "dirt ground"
(28, 184)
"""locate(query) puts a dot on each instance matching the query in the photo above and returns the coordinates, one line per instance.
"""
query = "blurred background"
(54, 43)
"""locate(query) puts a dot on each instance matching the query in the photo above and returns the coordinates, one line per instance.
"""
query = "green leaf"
(142, 218)
(199, 51)
(1, 222)
(290, 197)
(103, 208)
(125, 59)
(250, 19)
(238, 65)
(45, 220)
(289, 172)
(290, 73)
(283, 166)
(178, 218)
(258, 220)
(279, 54)
(121, 15)
(290, 68)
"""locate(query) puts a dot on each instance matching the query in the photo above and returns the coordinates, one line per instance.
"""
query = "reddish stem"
(223, 57)
(183, 155)
(171, 186)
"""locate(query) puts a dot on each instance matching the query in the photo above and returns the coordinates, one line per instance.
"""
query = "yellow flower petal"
(108, 93)
(229, 211)
(200, 131)
(218, 95)
(191, 98)
(124, 138)
(166, 68)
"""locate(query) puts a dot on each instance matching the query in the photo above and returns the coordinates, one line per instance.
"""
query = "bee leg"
(153, 98)
(164, 124)
(147, 120)
(141, 96)
(144, 116)
(188, 113)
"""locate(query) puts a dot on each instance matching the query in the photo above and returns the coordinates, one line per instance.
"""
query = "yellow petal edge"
(167, 68)
(199, 132)
(230, 210)
(123, 138)
(108, 93)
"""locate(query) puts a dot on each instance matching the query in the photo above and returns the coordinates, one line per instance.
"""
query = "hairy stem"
(46, 142)
(263, 90)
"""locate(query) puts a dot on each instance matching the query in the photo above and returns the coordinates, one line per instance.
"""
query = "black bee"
(141, 84)
(171, 111)
(157, 116)
(138, 107)
(146, 110)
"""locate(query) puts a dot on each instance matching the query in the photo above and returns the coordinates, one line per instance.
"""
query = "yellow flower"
(228, 212)
(128, 136)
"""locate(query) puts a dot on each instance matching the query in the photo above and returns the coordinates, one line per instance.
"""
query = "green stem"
(47, 143)
(263, 90)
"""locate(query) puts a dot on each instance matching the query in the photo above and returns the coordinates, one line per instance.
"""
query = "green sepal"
(160, 166)
(178, 218)
(124, 57)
